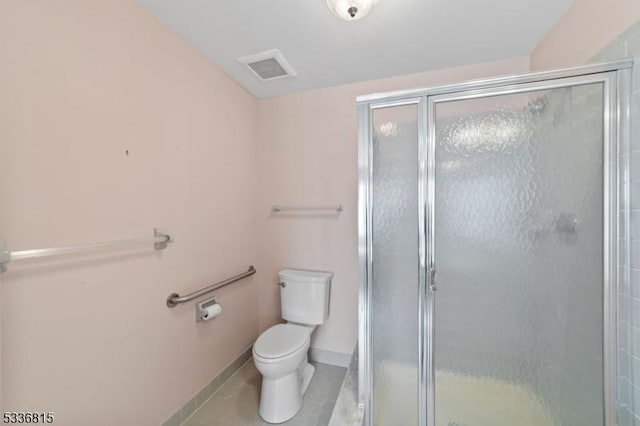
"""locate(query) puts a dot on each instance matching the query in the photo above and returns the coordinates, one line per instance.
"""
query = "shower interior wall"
(627, 45)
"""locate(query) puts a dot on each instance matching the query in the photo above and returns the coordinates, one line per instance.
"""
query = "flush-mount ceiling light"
(350, 10)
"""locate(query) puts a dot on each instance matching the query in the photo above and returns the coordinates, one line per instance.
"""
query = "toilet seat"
(280, 341)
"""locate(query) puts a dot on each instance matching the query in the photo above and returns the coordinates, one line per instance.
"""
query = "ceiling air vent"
(268, 65)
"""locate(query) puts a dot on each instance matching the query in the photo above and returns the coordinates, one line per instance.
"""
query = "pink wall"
(307, 145)
(586, 28)
(90, 337)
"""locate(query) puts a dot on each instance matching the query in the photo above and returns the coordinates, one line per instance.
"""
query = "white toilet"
(280, 353)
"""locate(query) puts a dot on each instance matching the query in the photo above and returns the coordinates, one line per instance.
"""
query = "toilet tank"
(304, 295)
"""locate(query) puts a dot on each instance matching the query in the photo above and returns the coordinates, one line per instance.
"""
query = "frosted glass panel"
(519, 259)
(394, 307)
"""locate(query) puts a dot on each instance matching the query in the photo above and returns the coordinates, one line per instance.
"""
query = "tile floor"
(236, 402)
(346, 411)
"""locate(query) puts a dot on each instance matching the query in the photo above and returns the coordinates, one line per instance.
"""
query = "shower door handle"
(432, 278)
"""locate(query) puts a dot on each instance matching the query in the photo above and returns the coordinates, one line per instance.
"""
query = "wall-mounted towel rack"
(159, 240)
(278, 208)
(175, 299)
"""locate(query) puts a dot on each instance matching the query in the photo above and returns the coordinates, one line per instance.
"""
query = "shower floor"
(486, 402)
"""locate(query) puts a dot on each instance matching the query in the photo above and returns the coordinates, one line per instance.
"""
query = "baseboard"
(329, 357)
(194, 403)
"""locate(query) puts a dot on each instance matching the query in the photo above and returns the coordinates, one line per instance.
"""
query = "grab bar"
(175, 299)
(279, 208)
(159, 240)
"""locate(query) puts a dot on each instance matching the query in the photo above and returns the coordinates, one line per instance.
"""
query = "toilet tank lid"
(304, 275)
(281, 340)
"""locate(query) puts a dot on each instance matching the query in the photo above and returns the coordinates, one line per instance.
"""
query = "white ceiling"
(397, 37)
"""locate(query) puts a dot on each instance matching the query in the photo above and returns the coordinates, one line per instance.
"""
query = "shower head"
(538, 106)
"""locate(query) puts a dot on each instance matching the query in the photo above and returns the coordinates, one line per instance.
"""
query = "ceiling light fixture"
(350, 10)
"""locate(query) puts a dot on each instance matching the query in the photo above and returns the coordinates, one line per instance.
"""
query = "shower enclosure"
(492, 222)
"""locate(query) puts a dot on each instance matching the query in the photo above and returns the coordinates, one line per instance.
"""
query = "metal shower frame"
(615, 77)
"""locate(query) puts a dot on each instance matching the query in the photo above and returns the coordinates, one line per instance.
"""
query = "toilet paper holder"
(201, 308)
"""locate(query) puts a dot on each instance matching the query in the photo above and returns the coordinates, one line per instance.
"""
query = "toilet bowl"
(280, 353)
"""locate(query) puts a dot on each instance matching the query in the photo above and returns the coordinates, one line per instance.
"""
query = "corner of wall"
(586, 28)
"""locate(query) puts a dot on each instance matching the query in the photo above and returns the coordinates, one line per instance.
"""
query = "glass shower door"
(394, 265)
(518, 180)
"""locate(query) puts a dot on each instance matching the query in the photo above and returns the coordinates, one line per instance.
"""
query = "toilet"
(280, 352)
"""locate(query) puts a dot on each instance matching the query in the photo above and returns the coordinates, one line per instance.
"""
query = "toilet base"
(281, 399)
(307, 375)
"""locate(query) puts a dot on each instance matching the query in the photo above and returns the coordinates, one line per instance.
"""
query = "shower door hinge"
(432, 278)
